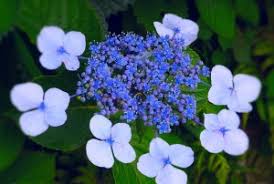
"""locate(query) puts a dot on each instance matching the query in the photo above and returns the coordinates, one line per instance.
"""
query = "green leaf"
(75, 132)
(149, 11)
(24, 57)
(219, 15)
(11, 142)
(219, 165)
(108, 7)
(248, 10)
(7, 15)
(219, 57)
(31, 167)
(204, 31)
(67, 14)
(264, 47)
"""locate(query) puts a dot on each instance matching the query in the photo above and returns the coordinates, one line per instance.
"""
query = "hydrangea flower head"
(40, 110)
(222, 133)
(236, 92)
(175, 26)
(143, 77)
(162, 158)
(57, 48)
(112, 140)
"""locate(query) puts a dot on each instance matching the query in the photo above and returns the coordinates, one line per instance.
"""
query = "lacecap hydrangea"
(143, 77)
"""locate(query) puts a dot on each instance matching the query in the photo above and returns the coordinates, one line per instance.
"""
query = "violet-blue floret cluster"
(143, 77)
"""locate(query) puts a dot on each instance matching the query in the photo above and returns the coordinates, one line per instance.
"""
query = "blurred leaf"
(248, 10)
(11, 142)
(219, 15)
(225, 43)
(108, 7)
(219, 57)
(264, 47)
(75, 132)
(148, 12)
(31, 167)
(7, 15)
(68, 14)
(204, 31)
(242, 47)
(25, 57)
(268, 63)
(219, 165)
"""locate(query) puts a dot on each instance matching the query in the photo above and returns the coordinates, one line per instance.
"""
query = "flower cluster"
(143, 77)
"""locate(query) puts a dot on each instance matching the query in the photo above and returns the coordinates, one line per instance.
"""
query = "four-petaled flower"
(236, 92)
(162, 158)
(178, 27)
(57, 47)
(111, 139)
(222, 133)
(41, 110)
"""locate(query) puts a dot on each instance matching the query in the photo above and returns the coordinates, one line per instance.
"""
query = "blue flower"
(162, 158)
(175, 26)
(57, 48)
(222, 133)
(236, 92)
(40, 110)
(111, 139)
(142, 77)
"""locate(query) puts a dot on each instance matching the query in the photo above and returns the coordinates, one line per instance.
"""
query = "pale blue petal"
(26, 96)
(149, 166)
(55, 117)
(50, 61)
(99, 153)
(235, 142)
(219, 95)
(72, 63)
(100, 127)
(234, 104)
(123, 152)
(121, 133)
(212, 141)
(229, 119)
(171, 175)
(162, 30)
(211, 122)
(158, 148)
(56, 98)
(247, 87)
(50, 39)
(180, 155)
(188, 30)
(75, 43)
(33, 123)
(221, 76)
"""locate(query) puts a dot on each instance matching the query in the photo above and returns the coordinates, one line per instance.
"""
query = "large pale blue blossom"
(162, 160)
(143, 77)
(110, 140)
(222, 133)
(40, 110)
(57, 48)
(236, 92)
(177, 27)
